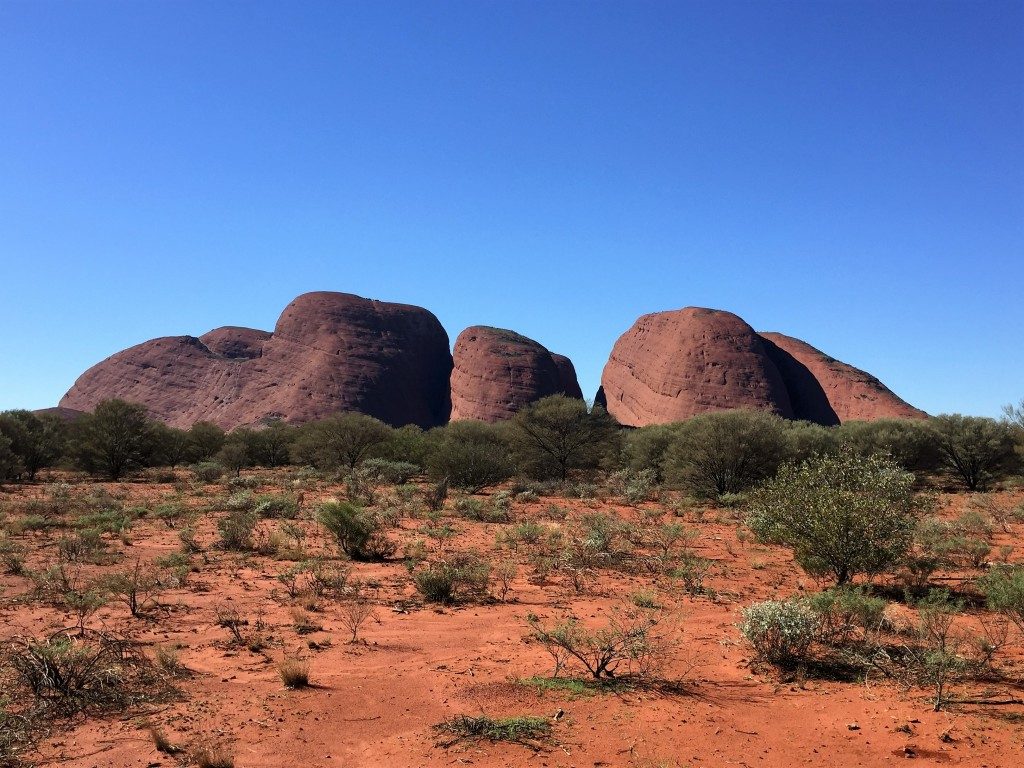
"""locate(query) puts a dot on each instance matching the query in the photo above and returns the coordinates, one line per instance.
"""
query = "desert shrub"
(207, 471)
(910, 443)
(844, 612)
(393, 472)
(359, 533)
(692, 570)
(780, 631)
(527, 532)
(975, 450)
(12, 556)
(628, 645)
(70, 672)
(1003, 588)
(339, 441)
(516, 730)
(241, 500)
(276, 505)
(804, 440)
(556, 434)
(270, 447)
(294, 672)
(470, 455)
(112, 440)
(136, 587)
(32, 442)
(725, 452)
(236, 530)
(939, 660)
(842, 514)
(461, 577)
(644, 448)
(212, 755)
(478, 510)
(634, 486)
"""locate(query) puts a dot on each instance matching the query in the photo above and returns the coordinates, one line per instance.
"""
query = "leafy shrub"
(236, 530)
(359, 532)
(393, 472)
(842, 514)
(244, 500)
(843, 611)
(463, 576)
(207, 471)
(780, 631)
(275, 505)
(725, 452)
(1003, 587)
(628, 645)
(470, 455)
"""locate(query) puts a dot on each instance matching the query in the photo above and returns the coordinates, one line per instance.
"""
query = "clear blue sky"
(851, 173)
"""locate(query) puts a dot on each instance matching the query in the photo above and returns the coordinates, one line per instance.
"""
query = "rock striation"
(496, 372)
(849, 393)
(670, 366)
(329, 352)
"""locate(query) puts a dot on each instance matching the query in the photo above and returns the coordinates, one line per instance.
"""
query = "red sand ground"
(376, 704)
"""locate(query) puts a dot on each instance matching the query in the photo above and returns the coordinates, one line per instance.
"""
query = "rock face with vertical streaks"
(330, 352)
(497, 372)
(670, 366)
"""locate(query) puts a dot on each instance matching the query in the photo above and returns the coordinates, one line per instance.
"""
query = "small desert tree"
(469, 455)
(557, 433)
(37, 441)
(725, 452)
(842, 514)
(339, 441)
(205, 439)
(113, 439)
(975, 449)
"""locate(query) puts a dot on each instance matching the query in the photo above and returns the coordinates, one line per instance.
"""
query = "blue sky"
(851, 173)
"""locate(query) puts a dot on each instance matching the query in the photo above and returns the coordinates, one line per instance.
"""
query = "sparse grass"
(523, 729)
(575, 686)
(162, 742)
(294, 672)
(213, 756)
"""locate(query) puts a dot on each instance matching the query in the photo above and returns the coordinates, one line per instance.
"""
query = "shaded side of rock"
(852, 394)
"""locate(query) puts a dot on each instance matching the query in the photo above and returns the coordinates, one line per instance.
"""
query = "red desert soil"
(375, 704)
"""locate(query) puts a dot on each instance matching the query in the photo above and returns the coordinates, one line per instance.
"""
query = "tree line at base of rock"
(711, 455)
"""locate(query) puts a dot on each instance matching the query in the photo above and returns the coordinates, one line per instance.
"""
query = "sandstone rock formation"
(235, 342)
(850, 393)
(329, 352)
(673, 365)
(497, 372)
(567, 374)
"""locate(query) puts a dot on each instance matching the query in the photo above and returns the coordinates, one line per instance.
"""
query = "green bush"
(275, 505)
(463, 576)
(470, 455)
(557, 434)
(207, 471)
(842, 515)
(359, 532)
(975, 450)
(844, 612)
(236, 529)
(780, 631)
(725, 452)
(387, 471)
(1003, 587)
